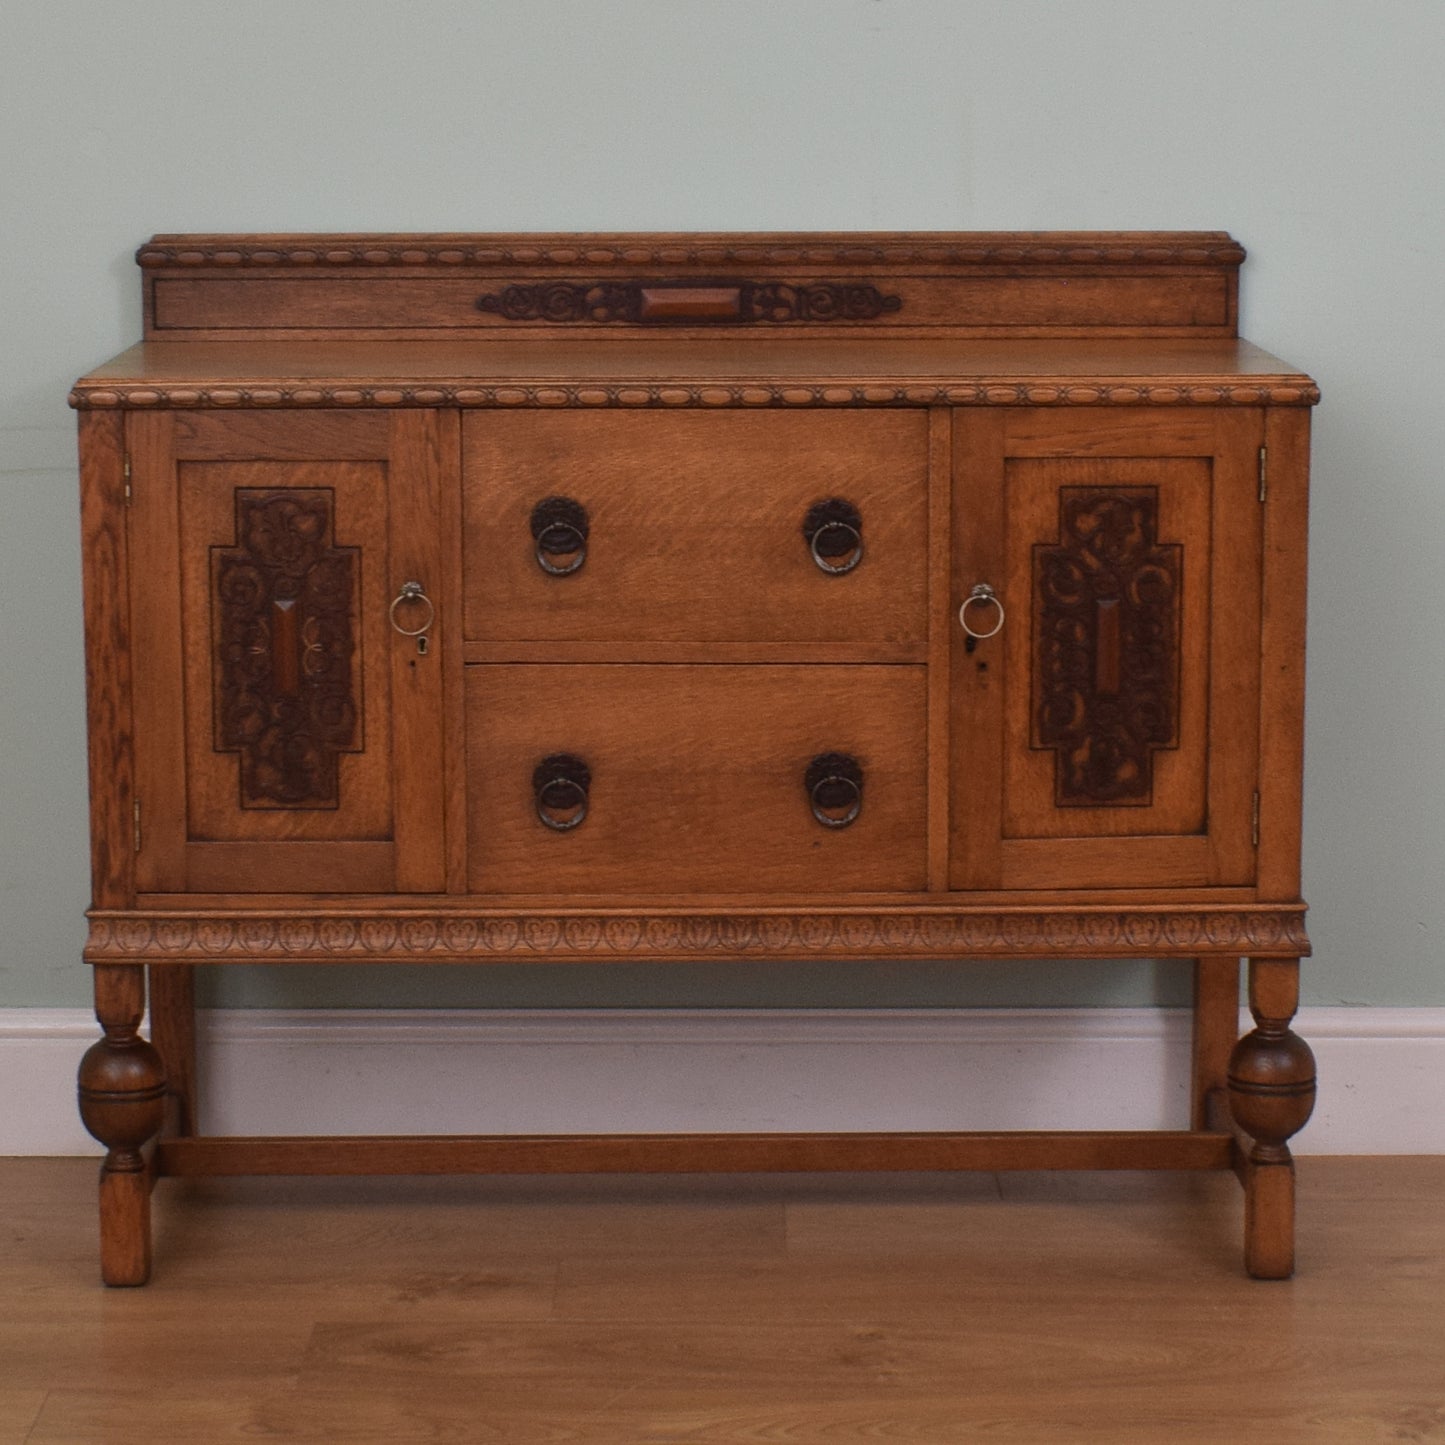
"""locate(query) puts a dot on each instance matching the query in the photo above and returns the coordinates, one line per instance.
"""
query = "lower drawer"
(620, 778)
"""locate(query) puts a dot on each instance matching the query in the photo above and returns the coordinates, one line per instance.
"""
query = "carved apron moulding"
(419, 935)
(852, 934)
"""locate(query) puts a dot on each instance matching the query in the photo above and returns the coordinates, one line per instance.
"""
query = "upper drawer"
(696, 526)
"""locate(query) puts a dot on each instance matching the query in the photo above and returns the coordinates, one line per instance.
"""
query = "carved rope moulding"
(457, 937)
(646, 394)
(321, 253)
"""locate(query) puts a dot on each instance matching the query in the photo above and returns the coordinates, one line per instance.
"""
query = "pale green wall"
(1315, 132)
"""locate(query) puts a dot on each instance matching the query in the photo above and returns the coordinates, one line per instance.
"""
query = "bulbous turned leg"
(1271, 1095)
(122, 1086)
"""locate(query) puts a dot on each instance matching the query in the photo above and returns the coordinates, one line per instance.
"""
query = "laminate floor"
(761, 1310)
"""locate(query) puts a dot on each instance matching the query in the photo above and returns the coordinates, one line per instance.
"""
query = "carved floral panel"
(1106, 654)
(284, 599)
(776, 302)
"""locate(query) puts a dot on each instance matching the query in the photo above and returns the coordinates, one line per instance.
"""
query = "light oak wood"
(1282, 653)
(941, 1309)
(226, 305)
(154, 588)
(125, 1228)
(696, 527)
(419, 461)
(210, 524)
(319, 429)
(1215, 1028)
(122, 1088)
(682, 800)
(694, 1153)
(171, 993)
(107, 659)
(631, 650)
(940, 638)
(666, 928)
(19, 1409)
(669, 371)
(1193, 825)
(975, 771)
(1175, 805)
(244, 436)
(1271, 1089)
(1119, 283)
(380, 475)
(451, 595)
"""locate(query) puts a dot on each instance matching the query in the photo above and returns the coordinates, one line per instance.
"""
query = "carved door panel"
(1107, 735)
(288, 736)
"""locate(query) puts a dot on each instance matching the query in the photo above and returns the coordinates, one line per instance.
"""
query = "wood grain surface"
(378, 477)
(698, 777)
(1040, 1309)
(973, 283)
(104, 537)
(1068, 420)
(696, 527)
(1013, 824)
(708, 372)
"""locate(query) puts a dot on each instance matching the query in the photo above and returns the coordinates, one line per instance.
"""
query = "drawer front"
(697, 779)
(697, 527)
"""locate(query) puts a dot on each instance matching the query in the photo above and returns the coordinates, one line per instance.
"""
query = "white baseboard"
(1382, 1072)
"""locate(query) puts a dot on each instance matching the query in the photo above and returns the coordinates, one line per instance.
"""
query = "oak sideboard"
(690, 597)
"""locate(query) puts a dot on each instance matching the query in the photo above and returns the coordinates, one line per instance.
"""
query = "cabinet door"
(1107, 735)
(288, 736)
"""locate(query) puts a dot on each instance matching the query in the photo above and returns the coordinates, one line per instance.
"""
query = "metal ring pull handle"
(835, 789)
(821, 538)
(981, 593)
(559, 528)
(412, 592)
(561, 784)
(834, 530)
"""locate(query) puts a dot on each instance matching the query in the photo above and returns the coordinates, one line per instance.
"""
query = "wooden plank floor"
(904, 1309)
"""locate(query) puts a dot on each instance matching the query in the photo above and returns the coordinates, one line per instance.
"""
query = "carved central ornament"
(283, 600)
(773, 302)
(1106, 655)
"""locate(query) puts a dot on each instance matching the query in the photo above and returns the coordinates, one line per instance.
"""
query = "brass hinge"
(1263, 472)
(135, 817)
(125, 473)
(1254, 822)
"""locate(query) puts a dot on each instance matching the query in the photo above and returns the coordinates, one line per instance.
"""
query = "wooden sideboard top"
(698, 248)
(824, 284)
(703, 319)
(670, 370)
